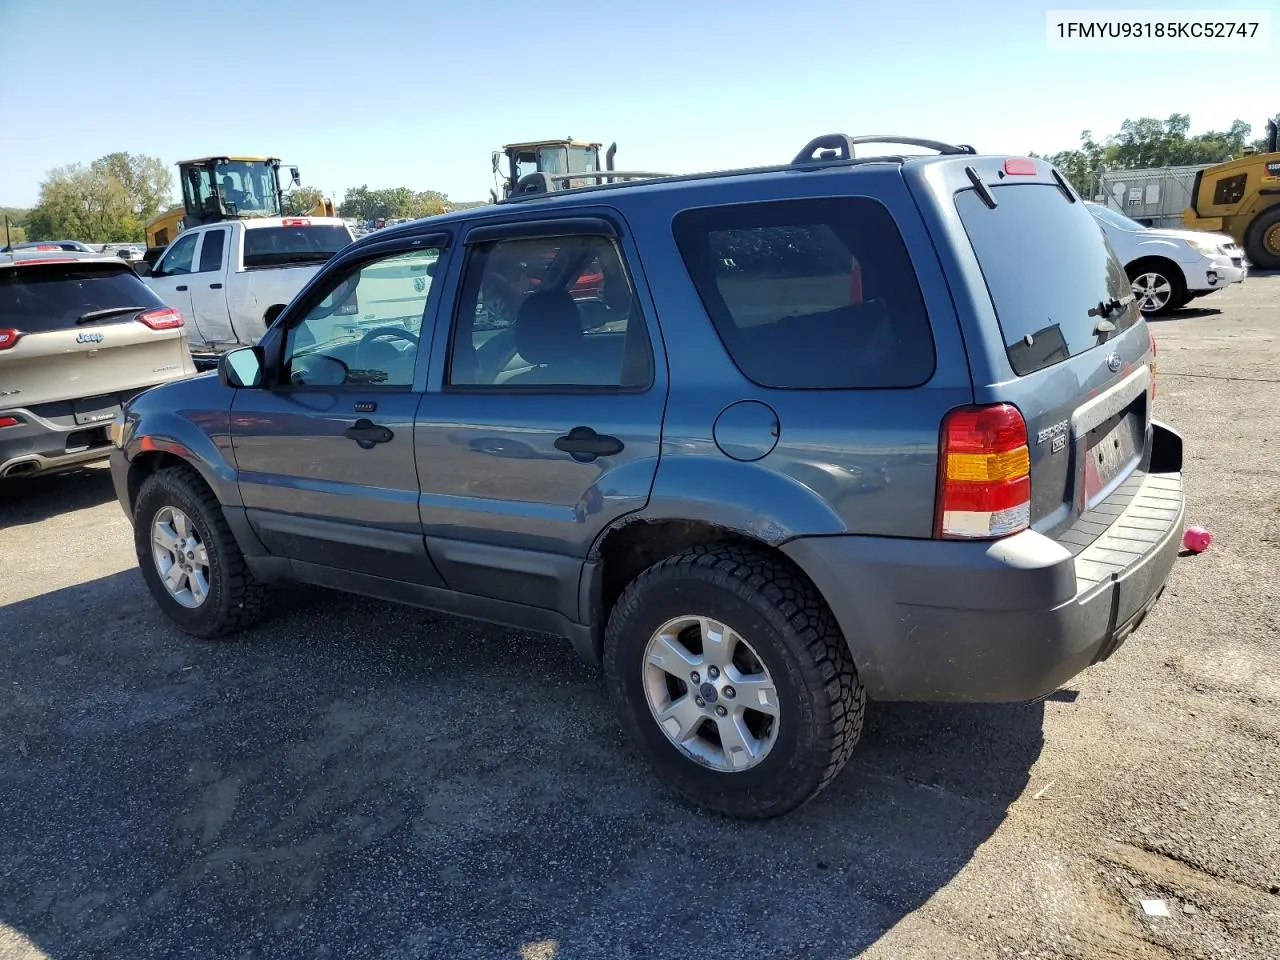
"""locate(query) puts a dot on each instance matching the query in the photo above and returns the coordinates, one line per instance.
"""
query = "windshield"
(248, 187)
(1117, 220)
(1047, 265)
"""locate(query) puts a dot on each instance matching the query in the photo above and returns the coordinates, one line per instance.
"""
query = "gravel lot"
(354, 780)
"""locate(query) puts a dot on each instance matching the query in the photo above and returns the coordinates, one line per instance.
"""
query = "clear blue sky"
(419, 93)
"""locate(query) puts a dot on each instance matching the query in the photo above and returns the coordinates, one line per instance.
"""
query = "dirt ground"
(356, 780)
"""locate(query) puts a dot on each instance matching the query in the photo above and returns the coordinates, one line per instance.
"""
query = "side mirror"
(293, 174)
(431, 268)
(141, 267)
(242, 368)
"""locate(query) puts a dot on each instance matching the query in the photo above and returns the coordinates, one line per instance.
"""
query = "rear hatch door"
(73, 334)
(1061, 337)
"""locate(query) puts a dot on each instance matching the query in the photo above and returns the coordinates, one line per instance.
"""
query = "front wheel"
(730, 673)
(1159, 290)
(189, 558)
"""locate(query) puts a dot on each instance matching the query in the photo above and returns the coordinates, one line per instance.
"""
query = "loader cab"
(226, 188)
(550, 156)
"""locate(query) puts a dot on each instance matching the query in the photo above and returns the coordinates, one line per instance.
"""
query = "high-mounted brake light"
(44, 247)
(169, 318)
(1020, 167)
(984, 474)
(9, 337)
(296, 222)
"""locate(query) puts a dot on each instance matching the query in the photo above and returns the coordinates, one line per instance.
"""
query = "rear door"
(543, 417)
(171, 276)
(86, 332)
(1061, 337)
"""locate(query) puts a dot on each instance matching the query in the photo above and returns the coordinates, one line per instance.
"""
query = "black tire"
(236, 599)
(1171, 274)
(1254, 246)
(821, 701)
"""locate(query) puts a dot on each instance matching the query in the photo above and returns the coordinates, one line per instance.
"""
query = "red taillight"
(47, 246)
(984, 474)
(167, 319)
(9, 337)
(295, 222)
(1020, 167)
(9, 422)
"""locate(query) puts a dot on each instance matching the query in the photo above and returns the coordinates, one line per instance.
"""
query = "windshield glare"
(1117, 220)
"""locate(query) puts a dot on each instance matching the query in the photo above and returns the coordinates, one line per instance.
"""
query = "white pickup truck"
(231, 279)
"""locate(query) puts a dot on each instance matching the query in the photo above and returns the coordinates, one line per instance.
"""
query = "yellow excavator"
(1242, 197)
(225, 188)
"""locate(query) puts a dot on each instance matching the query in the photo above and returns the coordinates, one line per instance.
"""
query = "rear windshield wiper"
(93, 315)
(1104, 310)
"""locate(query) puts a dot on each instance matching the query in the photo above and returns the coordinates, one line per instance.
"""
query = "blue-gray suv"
(765, 444)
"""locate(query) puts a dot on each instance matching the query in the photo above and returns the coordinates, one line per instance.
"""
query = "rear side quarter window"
(810, 294)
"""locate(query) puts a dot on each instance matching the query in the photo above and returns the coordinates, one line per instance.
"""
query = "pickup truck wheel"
(730, 673)
(189, 557)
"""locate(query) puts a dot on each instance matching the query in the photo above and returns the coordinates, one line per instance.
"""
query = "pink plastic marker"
(1197, 539)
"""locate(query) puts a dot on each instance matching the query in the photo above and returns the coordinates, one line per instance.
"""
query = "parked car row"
(765, 445)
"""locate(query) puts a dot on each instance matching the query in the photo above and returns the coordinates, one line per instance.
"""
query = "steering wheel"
(383, 333)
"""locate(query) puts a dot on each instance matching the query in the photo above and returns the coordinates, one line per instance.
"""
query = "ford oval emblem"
(1114, 362)
(89, 338)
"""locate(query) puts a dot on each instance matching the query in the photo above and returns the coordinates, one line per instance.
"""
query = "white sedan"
(1169, 268)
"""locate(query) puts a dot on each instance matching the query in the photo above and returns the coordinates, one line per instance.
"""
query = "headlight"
(1208, 248)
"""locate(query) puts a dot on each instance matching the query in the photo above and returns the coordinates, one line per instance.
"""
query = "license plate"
(95, 409)
(1108, 453)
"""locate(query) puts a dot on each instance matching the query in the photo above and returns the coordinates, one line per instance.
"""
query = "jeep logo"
(89, 338)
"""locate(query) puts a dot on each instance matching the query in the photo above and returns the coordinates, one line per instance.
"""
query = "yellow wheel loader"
(1242, 197)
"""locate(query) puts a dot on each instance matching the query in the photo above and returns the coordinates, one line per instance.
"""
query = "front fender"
(1174, 250)
(191, 420)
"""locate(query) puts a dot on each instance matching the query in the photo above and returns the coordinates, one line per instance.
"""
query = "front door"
(326, 456)
(171, 276)
(544, 418)
(210, 313)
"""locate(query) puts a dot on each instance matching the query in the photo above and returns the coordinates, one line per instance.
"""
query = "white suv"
(1170, 268)
(79, 335)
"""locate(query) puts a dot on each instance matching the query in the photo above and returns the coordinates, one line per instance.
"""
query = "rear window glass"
(1047, 265)
(810, 294)
(277, 246)
(37, 299)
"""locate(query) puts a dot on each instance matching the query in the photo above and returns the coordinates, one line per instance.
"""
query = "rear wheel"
(730, 674)
(1262, 240)
(189, 558)
(1160, 288)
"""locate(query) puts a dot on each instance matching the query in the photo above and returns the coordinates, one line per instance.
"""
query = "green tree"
(79, 203)
(393, 202)
(15, 218)
(302, 200)
(146, 179)
(109, 201)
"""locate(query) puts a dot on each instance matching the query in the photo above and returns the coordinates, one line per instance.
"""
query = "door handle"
(585, 443)
(183, 287)
(215, 286)
(366, 433)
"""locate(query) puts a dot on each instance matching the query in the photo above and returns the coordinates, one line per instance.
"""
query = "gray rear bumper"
(1008, 620)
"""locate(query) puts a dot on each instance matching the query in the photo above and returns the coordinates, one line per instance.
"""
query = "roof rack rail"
(535, 184)
(839, 146)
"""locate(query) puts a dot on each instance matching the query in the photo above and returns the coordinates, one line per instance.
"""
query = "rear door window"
(211, 251)
(1047, 265)
(810, 294)
(38, 299)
